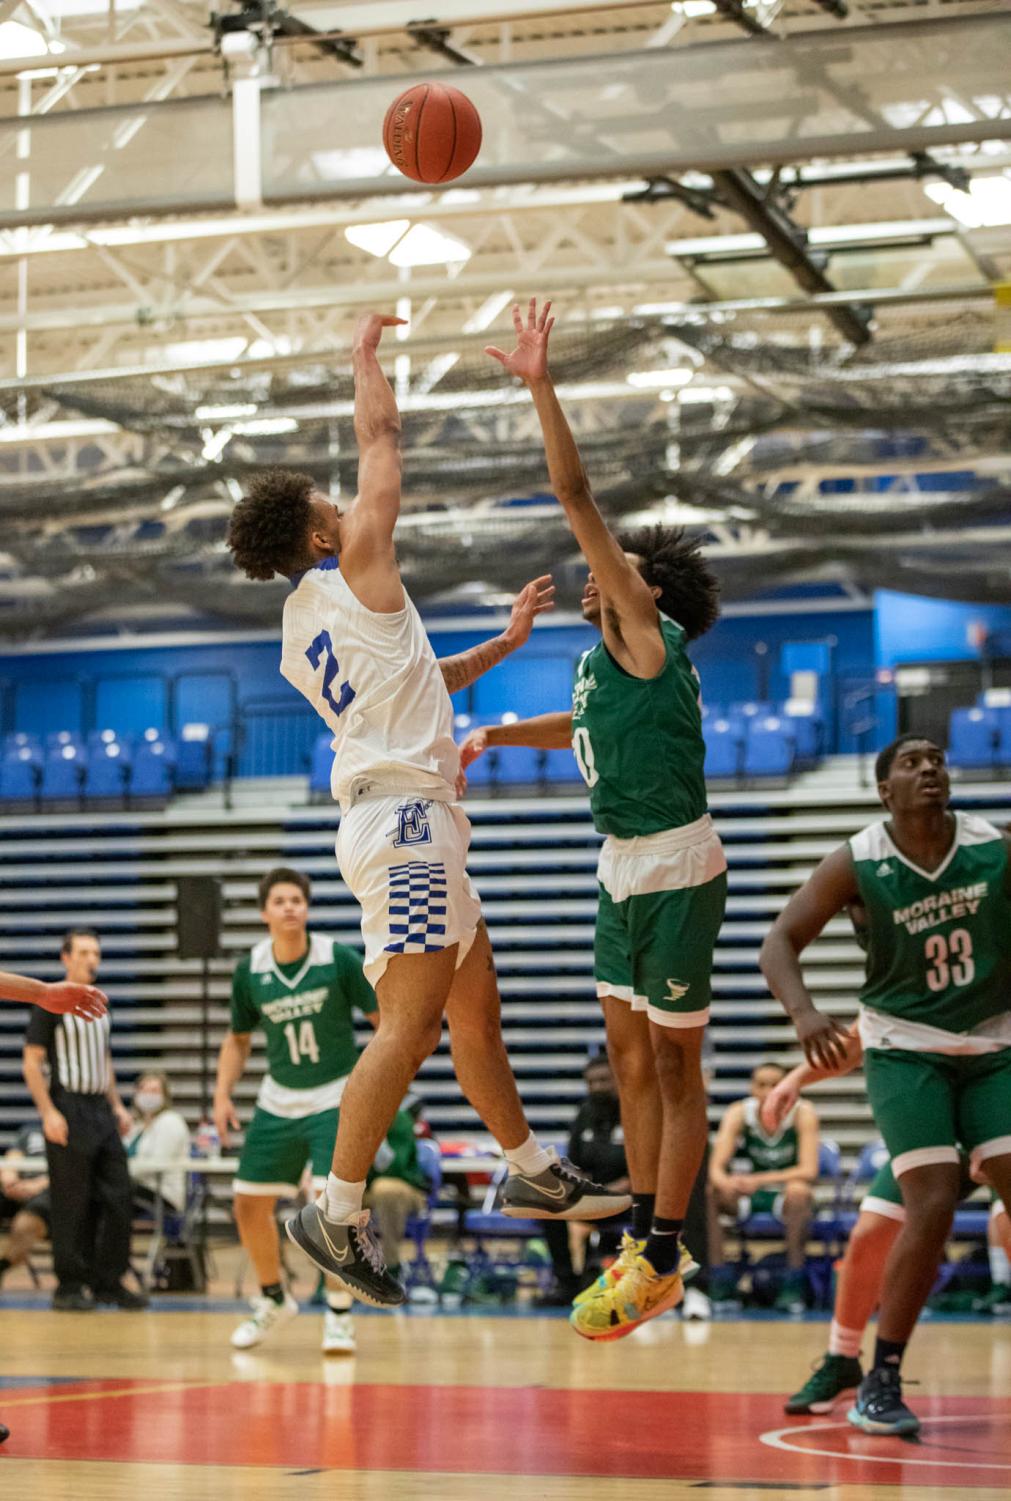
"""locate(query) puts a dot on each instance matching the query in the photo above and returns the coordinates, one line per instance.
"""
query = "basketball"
(432, 132)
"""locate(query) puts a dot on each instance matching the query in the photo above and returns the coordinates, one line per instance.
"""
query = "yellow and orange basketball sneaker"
(630, 1249)
(640, 1294)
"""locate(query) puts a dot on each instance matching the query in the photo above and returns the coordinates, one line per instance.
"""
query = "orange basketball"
(432, 132)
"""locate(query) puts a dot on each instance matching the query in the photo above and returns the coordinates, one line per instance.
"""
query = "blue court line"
(11, 1383)
(178, 1303)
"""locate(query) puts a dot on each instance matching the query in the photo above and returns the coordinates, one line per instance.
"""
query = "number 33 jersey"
(939, 942)
(375, 682)
(306, 1010)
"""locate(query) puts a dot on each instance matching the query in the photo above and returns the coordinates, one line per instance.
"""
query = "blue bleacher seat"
(418, 1271)
(723, 748)
(20, 774)
(517, 765)
(57, 739)
(23, 740)
(769, 747)
(63, 772)
(193, 758)
(751, 708)
(151, 771)
(482, 771)
(807, 727)
(320, 766)
(106, 771)
(561, 766)
(972, 736)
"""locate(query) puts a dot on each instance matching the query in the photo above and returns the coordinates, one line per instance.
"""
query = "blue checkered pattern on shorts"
(417, 908)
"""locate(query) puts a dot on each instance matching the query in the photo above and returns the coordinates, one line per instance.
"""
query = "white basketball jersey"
(375, 682)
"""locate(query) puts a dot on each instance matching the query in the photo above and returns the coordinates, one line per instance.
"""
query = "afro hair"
(672, 562)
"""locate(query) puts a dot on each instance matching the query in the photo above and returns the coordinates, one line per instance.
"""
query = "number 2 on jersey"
(302, 1044)
(322, 644)
(950, 959)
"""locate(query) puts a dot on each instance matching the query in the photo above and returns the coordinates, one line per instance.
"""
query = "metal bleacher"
(533, 859)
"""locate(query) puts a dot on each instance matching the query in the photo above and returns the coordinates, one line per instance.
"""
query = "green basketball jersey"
(638, 741)
(305, 1010)
(767, 1154)
(939, 943)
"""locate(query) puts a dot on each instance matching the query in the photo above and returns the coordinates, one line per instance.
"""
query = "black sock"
(5, 1265)
(888, 1353)
(642, 1214)
(274, 1291)
(663, 1246)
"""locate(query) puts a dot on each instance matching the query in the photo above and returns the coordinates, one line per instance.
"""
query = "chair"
(20, 775)
(561, 766)
(972, 739)
(106, 772)
(176, 1235)
(768, 748)
(193, 762)
(488, 1223)
(826, 1227)
(517, 765)
(63, 773)
(723, 748)
(57, 739)
(151, 772)
(806, 726)
(418, 1271)
(23, 740)
(320, 767)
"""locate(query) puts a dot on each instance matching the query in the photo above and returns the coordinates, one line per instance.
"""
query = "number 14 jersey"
(939, 943)
(306, 1010)
(375, 682)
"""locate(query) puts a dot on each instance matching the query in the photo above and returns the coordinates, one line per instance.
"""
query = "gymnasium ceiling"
(771, 232)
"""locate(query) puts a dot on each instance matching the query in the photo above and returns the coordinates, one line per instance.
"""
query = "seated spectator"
(597, 1146)
(24, 1198)
(160, 1135)
(397, 1188)
(752, 1172)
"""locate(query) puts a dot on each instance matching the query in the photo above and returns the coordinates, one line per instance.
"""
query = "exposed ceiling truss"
(796, 318)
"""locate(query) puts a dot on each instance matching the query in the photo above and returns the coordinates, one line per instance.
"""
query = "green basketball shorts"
(925, 1104)
(660, 909)
(884, 1196)
(276, 1150)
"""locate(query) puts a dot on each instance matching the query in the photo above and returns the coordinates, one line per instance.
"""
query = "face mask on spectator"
(148, 1101)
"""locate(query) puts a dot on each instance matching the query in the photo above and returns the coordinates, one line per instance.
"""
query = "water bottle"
(206, 1141)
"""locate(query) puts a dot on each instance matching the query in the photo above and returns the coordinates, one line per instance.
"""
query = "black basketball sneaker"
(350, 1252)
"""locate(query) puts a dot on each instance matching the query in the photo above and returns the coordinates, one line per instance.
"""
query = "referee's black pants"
(92, 1196)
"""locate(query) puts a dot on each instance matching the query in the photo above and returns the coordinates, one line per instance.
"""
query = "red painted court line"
(513, 1430)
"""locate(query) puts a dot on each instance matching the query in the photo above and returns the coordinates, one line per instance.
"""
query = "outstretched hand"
(77, 1000)
(369, 329)
(529, 360)
(824, 1041)
(533, 600)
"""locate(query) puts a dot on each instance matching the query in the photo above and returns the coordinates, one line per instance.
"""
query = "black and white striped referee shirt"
(77, 1050)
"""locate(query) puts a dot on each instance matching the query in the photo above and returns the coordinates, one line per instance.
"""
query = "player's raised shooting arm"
(467, 666)
(367, 557)
(821, 897)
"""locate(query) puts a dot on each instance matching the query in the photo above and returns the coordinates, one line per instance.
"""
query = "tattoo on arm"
(462, 670)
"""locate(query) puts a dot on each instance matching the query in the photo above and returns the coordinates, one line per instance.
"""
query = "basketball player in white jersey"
(354, 646)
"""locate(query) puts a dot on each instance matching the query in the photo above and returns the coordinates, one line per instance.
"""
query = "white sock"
(1000, 1268)
(343, 1199)
(529, 1158)
(843, 1341)
(338, 1301)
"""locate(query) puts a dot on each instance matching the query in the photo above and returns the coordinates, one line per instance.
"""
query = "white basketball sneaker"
(338, 1333)
(264, 1319)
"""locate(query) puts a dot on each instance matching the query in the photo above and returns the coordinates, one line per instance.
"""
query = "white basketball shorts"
(405, 861)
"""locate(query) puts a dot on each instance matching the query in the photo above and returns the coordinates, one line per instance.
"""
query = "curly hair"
(672, 562)
(268, 530)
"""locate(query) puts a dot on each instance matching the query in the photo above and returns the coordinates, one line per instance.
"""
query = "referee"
(83, 1119)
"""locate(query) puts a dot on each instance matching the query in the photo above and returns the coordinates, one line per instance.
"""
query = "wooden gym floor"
(110, 1406)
